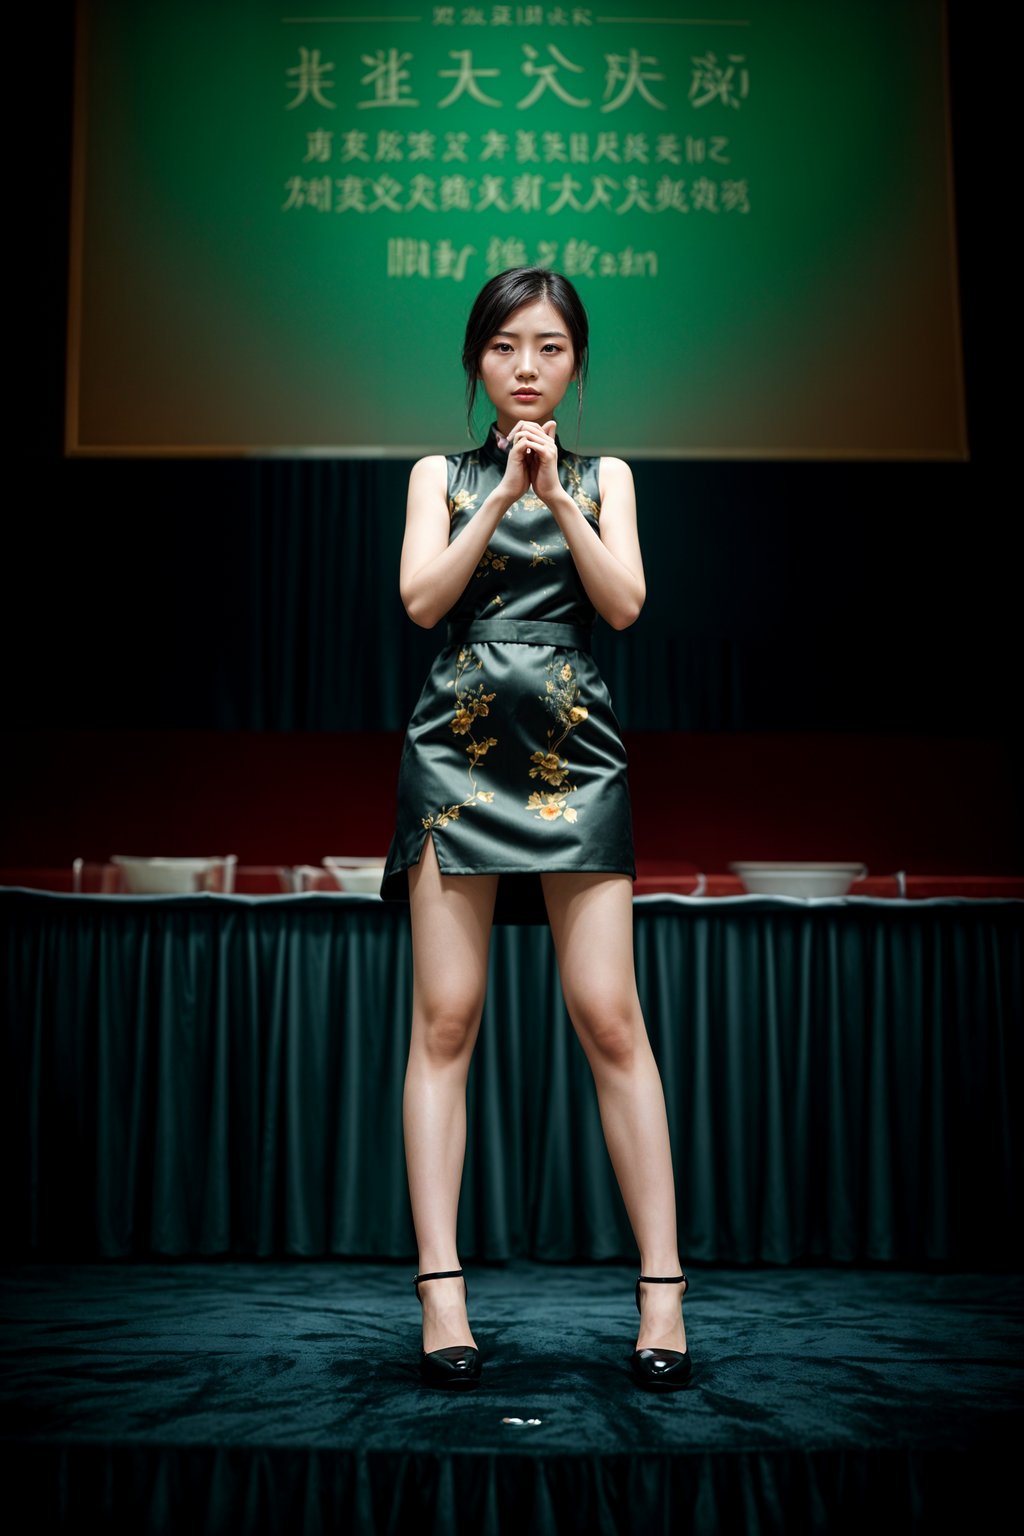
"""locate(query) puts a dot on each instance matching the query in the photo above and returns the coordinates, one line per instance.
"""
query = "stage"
(209, 1320)
(283, 1396)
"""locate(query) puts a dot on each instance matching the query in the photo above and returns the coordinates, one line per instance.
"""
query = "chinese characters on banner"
(638, 166)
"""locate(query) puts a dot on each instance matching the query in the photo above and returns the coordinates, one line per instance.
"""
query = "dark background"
(206, 650)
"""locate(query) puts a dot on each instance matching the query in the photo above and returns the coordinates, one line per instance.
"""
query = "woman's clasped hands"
(533, 461)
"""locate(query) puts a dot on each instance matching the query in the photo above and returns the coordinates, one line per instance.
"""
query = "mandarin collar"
(490, 448)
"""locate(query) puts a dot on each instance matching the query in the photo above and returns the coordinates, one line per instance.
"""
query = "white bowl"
(163, 876)
(795, 878)
(358, 874)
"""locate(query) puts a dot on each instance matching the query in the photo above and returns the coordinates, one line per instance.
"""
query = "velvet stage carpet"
(283, 1396)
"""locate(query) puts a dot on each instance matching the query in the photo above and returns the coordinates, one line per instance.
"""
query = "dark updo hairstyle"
(506, 293)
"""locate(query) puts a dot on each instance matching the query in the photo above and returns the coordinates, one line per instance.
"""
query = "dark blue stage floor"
(284, 1396)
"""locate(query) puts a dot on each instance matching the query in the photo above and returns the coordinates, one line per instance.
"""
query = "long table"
(208, 1075)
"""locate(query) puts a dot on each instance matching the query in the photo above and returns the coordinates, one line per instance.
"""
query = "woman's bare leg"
(451, 917)
(591, 919)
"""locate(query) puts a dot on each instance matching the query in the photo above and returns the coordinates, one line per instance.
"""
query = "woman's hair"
(506, 293)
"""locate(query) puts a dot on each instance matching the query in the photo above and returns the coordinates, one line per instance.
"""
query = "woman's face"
(530, 352)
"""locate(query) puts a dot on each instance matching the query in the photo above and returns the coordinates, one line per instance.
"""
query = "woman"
(513, 799)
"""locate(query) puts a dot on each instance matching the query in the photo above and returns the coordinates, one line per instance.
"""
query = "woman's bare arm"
(433, 573)
(609, 562)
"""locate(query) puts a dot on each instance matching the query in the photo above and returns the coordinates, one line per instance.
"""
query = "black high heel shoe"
(457, 1365)
(661, 1370)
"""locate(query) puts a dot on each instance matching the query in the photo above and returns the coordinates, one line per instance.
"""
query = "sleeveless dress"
(513, 760)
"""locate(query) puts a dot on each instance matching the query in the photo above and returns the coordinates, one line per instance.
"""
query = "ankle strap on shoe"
(439, 1274)
(655, 1280)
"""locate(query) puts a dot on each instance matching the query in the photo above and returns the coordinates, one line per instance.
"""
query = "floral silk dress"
(513, 760)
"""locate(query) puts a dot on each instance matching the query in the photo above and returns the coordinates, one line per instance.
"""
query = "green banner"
(281, 220)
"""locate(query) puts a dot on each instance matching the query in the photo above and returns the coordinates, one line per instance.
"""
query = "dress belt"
(574, 637)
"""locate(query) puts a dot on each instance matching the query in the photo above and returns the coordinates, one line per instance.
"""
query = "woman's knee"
(446, 1029)
(611, 1030)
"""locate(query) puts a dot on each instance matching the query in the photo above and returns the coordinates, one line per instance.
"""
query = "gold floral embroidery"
(583, 501)
(561, 695)
(469, 707)
(491, 561)
(550, 807)
(539, 552)
(460, 501)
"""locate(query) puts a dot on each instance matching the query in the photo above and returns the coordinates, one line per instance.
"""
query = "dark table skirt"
(212, 1075)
